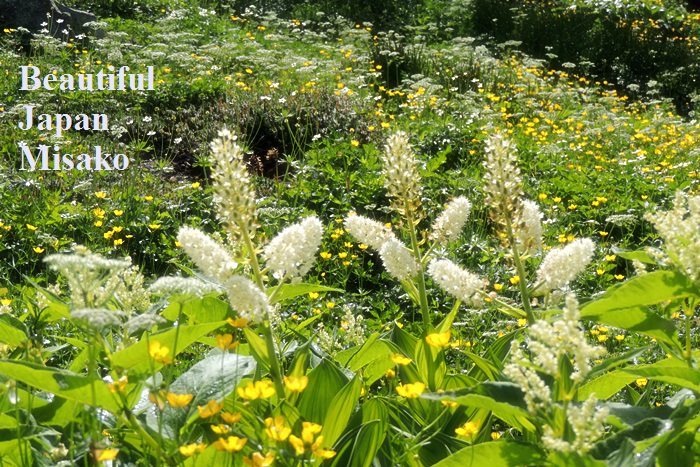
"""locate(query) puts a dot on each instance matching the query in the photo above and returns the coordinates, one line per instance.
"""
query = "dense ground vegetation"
(432, 233)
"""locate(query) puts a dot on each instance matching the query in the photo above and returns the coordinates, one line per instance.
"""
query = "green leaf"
(605, 386)
(258, 348)
(62, 383)
(340, 410)
(640, 320)
(136, 356)
(373, 357)
(369, 439)
(13, 332)
(647, 289)
(504, 400)
(495, 454)
(325, 381)
(288, 291)
(669, 371)
(639, 255)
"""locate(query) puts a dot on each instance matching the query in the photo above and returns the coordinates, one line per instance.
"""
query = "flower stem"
(422, 295)
(525, 296)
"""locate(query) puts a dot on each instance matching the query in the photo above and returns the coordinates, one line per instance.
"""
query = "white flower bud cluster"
(680, 230)
(401, 177)
(97, 318)
(233, 190)
(92, 279)
(185, 285)
(398, 260)
(503, 187)
(536, 391)
(368, 231)
(459, 283)
(247, 299)
(529, 231)
(562, 265)
(291, 253)
(449, 224)
(209, 255)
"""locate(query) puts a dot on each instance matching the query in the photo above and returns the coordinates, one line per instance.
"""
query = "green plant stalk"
(275, 368)
(420, 278)
(525, 296)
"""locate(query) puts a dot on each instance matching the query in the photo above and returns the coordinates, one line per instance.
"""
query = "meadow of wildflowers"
(407, 233)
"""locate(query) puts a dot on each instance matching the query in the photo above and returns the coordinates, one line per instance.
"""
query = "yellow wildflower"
(212, 408)
(178, 401)
(438, 339)
(230, 444)
(296, 383)
(159, 352)
(277, 429)
(410, 391)
(468, 430)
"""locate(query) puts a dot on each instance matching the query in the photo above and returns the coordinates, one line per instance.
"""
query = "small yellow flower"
(98, 223)
(410, 391)
(189, 450)
(212, 408)
(495, 435)
(99, 212)
(159, 353)
(399, 359)
(225, 342)
(277, 429)
(296, 383)
(38, 250)
(515, 280)
(178, 401)
(438, 339)
(297, 444)
(118, 212)
(118, 242)
(355, 143)
(468, 430)
(313, 295)
(5, 302)
(602, 338)
(31, 227)
(258, 460)
(641, 382)
(231, 418)
(148, 198)
(118, 385)
(230, 444)
(447, 403)
(100, 194)
(326, 255)
(237, 322)
(195, 185)
(257, 390)
(330, 305)
(619, 277)
(522, 322)
(362, 246)
(154, 226)
(390, 374)
(610, 257)
(220, 429)
(106, 454)
(497, 287)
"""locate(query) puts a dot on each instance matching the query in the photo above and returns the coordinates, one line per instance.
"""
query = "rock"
(30, 14)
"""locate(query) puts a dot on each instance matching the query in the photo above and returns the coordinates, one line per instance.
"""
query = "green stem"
(521, 273)
(274, 362)
(422, 295)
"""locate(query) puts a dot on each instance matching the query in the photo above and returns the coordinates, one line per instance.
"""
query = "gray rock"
(30, 14)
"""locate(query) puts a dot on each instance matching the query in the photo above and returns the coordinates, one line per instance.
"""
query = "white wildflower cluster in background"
(92, 279)
(529, 233)
(449, 224)
(503, 188)
(234, 193)
(368, 231)
(547, 344)
(185, 285)
(680, 230)
(562, 265)
(247, 299)
(207, 254)
(401, 177)
(291, 253)
(458, 282)
(398, 260)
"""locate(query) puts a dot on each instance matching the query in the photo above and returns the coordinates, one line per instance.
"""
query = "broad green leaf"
(199, 310)
(668, 371)
(136, 356)
(367, 442)
(487, 367)
(495, 454)
(446, 323)
(325, 381)
(340, 410)
(13, 332)
(647, 289)
(288, 291)
(504, 400)
(373, 357)
(639, 255)
(640, 320)
(258, 348)
(431, 364)
(605, 386)
(62, 383)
